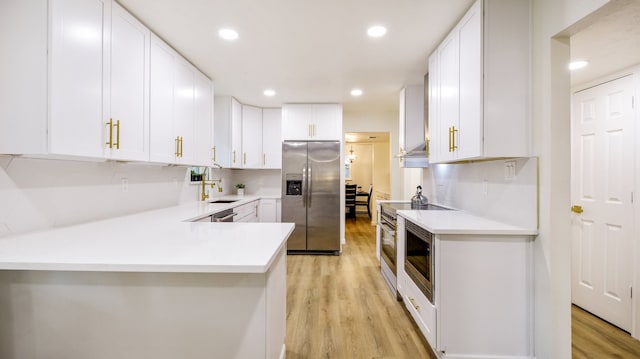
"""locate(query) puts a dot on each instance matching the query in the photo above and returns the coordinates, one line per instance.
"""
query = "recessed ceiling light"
(269, 92)
(228, 34)
(574, 65)
(377, 31)
(356, 92)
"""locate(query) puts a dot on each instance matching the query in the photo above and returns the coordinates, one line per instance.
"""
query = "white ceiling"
(610, 44)
(307, 51)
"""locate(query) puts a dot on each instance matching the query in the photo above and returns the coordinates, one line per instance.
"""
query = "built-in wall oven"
(419, 258)
(389, 241)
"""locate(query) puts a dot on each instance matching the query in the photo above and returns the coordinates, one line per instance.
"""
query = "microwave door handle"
(304, 186)
(310, 190)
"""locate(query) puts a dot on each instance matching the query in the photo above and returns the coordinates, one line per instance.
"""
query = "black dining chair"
(367, 202)
(350, 200)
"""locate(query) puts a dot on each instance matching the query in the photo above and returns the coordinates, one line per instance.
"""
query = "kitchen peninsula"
(148, 285)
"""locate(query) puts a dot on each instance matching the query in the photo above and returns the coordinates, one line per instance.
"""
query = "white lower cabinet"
(247, 212)
(483, 295)
(267, 211)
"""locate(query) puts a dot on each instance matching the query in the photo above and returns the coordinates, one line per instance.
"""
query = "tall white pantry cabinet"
(77, 84)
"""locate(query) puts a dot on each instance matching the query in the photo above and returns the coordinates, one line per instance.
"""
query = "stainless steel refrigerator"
(311, 195)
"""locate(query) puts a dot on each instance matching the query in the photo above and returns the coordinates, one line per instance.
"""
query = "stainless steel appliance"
(311, 195)
(388, 240)
(223, 216)
(419, 258)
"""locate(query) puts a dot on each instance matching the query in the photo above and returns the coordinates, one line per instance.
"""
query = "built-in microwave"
(419, 258)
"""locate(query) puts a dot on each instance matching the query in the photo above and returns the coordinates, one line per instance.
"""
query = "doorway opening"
(367, 163)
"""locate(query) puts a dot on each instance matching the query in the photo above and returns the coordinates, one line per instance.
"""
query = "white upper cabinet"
(184, 111)
(51, 93)
(271, 138)
(97, 85)
(177, 109)
(126, 118)
(252, 156)
(227, 118)
(308, 122)
(480, 99)
(411, 121)
(164, 146)
(204, 155)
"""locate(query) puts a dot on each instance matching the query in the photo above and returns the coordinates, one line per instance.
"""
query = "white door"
(449, 97)
(184, 111)
(236, 134)
(295, 122)
(602, 178)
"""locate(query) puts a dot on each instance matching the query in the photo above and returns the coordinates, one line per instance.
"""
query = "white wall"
(551, 118)
(37, 193)
(380, 122)
(258, 182)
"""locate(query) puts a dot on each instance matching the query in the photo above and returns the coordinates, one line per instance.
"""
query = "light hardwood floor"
(592, 337)
(340, 307)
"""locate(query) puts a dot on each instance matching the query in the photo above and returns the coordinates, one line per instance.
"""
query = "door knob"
(576, 209)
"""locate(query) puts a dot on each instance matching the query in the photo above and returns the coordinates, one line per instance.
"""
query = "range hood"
(415, 157)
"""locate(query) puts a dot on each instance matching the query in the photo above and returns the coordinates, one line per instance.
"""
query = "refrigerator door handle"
(304, 186)
(310, 186)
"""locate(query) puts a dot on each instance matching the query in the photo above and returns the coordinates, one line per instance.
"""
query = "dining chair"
(366, 202)
(350, 200)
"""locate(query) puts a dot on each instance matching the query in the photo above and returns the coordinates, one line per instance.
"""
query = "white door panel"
(602, 184)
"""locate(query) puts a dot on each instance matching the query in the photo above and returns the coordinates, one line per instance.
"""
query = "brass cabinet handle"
(117, 134)
(453, 139)
(314, 130)
(177, 146)
(264, 159)
(181, 141)
(234, 156)
(427, 149)
(450, 139)
(110, 124)
(413, 303)
(576, 209)
(214, 153)
(244, 158)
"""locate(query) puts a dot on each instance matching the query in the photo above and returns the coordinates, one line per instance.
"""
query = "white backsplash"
(481, 188)
(258, 182)
(38, 194)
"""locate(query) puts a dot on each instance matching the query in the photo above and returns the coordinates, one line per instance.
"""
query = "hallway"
(340, 307)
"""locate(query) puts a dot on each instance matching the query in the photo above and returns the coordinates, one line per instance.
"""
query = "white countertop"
(161, 240)
(460, 222)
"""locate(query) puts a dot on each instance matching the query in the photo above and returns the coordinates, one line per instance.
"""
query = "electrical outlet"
(125, 185)
(509, 170)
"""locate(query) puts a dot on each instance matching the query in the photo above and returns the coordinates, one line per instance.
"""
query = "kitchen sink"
(223, 201)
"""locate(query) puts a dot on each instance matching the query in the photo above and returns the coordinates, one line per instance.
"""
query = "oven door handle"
(222, 219)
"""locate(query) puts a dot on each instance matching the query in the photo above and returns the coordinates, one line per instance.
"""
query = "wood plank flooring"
(340, 307)
(592, 337)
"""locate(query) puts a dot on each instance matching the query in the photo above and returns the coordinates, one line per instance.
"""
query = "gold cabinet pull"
(178, 146)
(117, 144)
(181, 142)
(453, 139)
(413, 303)
(576, 209)
(427, 149)
(234, 156)
(110, 124)
(214, 153)
(244, 158)
(450, 132)
(264, 159)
